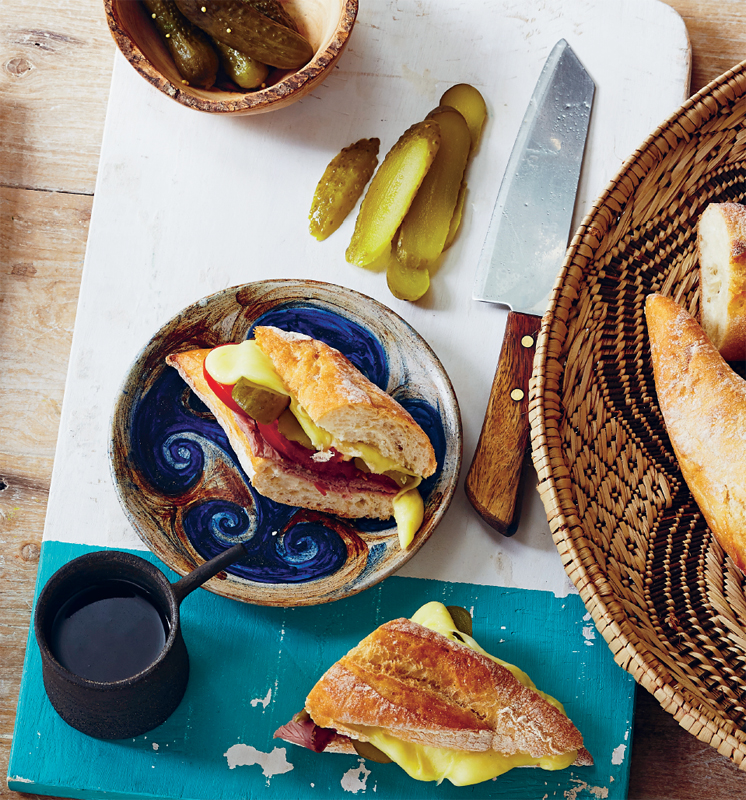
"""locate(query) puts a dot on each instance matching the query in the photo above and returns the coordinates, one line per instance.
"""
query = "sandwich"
(310, 430)
(422, 693)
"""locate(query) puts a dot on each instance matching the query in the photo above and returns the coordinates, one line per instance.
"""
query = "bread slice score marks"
(440, 707)
(424, 688)
(703, 402)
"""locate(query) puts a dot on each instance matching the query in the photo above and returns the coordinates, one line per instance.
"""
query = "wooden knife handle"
(495, 472)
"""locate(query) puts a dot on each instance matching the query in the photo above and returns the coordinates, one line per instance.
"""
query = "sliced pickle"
(407, 283)
(468, 100)
(370, 751)
(260, 403)
(291, 429)
(191, 50)
(458, 212)
(243, 70)
(424, 230)
(341, 185)
(239, 25)
(461, 619)
(391, 192)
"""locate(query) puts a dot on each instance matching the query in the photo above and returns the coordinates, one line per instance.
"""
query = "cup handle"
(208, 570)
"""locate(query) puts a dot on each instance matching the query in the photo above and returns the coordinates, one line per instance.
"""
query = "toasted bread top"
(424, 688)
(342, 401)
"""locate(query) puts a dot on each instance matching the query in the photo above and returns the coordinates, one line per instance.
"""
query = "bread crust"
(427, 689)
(721, 246)
(268, 475)
(703, 402)
(341, 400)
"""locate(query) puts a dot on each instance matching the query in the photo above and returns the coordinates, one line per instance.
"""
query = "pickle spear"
(243, 70)
(247, 30)
(190, 49)
(341, 185)
(458, 212)
(406, 283)
(424, 230)
(391, 192)
(469, 101)
(260, 403)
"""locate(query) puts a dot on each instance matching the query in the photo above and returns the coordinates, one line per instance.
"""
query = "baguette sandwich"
(424, 694)
(703, 402)
(312, 431)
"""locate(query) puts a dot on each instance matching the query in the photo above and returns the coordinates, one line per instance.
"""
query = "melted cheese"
(460, 767)
(230, 362)
(409, 511)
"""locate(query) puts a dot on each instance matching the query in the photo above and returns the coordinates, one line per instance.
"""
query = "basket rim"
(606, 610)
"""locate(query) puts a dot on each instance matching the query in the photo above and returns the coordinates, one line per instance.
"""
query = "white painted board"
(187, 204)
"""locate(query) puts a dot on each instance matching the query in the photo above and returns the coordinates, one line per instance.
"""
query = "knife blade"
(526, 243)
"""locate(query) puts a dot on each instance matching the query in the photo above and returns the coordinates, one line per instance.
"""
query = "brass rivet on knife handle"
(495, 472)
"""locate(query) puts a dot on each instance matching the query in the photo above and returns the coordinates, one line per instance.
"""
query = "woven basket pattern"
(668, 602)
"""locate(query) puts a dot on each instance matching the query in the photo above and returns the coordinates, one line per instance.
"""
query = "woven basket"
(668, 602)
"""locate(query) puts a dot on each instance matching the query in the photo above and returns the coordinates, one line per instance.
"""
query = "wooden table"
(55, 67)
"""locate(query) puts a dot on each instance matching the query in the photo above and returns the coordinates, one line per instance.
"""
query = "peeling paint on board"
(617, 756)
(355, 779)
(599, 792)
(589, 631)
(264, 702)
(244, 755)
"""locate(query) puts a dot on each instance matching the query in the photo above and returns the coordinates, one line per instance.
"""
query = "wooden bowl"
(326, 24)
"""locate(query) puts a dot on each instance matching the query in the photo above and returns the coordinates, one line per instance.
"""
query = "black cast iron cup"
(123, 708)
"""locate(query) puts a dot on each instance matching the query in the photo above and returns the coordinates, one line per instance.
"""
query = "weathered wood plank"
(56, 62)
(42, 246)
(717, 33)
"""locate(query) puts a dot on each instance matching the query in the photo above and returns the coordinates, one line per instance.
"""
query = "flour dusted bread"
(721, 245)
(340, 399)
(703, 402)
(424, 694)
(425, 688)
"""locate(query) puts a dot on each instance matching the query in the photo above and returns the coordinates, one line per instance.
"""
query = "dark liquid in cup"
(108, 632)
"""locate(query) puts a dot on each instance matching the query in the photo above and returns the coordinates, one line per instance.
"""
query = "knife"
(524, 249)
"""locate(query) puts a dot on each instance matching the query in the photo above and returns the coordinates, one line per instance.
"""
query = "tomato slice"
(334, 467)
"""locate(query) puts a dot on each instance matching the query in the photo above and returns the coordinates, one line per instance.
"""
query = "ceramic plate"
(181, 484)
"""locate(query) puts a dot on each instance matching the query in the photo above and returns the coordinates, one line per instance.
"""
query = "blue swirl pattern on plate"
(191, 487)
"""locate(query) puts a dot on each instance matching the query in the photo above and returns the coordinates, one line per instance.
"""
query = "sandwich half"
(310, 430)
(424, 694)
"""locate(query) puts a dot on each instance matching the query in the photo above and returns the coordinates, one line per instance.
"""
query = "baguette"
(433, 700)
(721, 246)
(703, 402)
(351, 411)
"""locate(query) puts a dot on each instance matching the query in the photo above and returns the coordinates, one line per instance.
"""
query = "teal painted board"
(251, 667)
